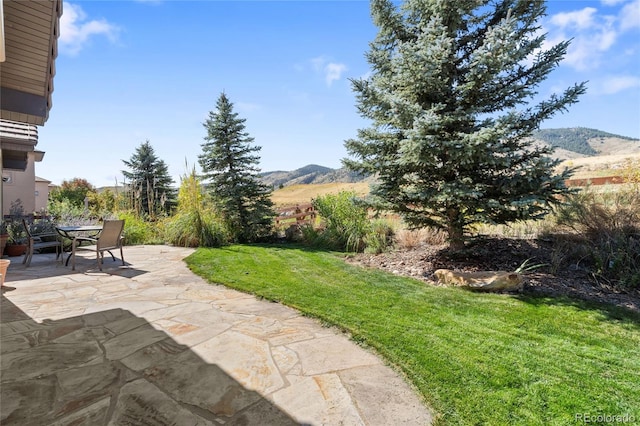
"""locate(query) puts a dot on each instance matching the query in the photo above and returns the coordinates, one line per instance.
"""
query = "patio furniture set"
(96, 238)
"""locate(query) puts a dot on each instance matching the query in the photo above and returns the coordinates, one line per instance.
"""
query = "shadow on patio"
(114, 367)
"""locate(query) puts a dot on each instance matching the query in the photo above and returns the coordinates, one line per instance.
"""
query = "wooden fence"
(605, 180)
(301, 214)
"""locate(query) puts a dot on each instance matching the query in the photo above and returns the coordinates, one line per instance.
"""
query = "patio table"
(70, 232)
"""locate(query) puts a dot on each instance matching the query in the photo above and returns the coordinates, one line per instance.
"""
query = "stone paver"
(152, 343)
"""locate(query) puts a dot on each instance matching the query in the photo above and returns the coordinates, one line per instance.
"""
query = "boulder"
(480, 281)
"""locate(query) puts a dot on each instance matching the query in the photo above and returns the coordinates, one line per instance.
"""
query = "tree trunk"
(455, 229)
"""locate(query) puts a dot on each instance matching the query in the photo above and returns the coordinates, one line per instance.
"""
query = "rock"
(480, 281)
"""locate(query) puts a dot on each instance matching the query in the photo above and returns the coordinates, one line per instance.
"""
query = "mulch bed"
(504, 254)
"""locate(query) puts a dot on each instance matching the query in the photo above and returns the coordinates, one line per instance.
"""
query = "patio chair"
(40, 241)
(110, 238)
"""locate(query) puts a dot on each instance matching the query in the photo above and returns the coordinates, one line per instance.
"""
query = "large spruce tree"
(449, 101)
(229, 162)
(149, 182)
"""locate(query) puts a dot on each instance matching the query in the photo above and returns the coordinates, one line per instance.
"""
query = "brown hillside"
(302, 194)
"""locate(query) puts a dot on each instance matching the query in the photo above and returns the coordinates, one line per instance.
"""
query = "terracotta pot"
(3, 242)
(4, 265)
(15, 249)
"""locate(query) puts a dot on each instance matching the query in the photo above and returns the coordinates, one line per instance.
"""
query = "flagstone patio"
(152, 343)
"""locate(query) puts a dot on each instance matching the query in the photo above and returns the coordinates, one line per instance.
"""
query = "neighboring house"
(42, 194)
(29, 31)
(18, 167)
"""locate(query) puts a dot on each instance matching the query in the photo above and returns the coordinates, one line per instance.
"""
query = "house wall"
(20, 185)
(42, 195)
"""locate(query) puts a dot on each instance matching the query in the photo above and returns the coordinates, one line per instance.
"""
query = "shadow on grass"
(284, 245)
(607, 311)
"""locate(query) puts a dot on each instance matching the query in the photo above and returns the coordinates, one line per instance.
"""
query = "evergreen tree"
(149, 182)
(229, 164)
(448, 100)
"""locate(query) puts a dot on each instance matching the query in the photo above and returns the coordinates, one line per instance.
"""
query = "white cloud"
(616, 84)
(333, 72)
(75, 29)
(318, 63)
(581, 19)
(592, 35)
(630, 16)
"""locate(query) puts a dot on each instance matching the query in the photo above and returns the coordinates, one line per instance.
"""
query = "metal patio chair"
(40, 241)
(110, 238)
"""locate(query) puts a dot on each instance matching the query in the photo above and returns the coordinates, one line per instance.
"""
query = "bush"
(345, 220)
(139, 231)
(602, 232)
(64, 212)
(412, 238)
(308, 235)
(196, 228)
(379, 237)
(195, 223)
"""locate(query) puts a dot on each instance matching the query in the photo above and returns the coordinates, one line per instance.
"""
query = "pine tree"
(229, 164)
(448, 99)
(150, 182)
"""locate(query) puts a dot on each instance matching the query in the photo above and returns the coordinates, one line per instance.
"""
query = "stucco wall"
(42, 195)
(20, 185)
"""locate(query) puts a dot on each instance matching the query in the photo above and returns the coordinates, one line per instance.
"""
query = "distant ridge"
(570, 143)
(310, 174)
(580, 140)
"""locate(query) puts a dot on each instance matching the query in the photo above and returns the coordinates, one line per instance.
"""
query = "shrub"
(379, 237)
(139, 231)
(64, 212)
(308, 235)
(602, 232)
(345, 220)
(195, 223)
(412, 238)
(631, 173)
(196, 228)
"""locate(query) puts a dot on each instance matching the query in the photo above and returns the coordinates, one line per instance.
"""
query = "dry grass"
(523, 230)
(602, 165)
(408, 239)
(602, 229)
(303, 194)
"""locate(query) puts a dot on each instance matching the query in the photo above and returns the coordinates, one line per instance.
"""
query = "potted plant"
(17, 235)
(17, 241)
(4, 236)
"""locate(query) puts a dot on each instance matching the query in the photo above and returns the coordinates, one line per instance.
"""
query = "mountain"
(309, 174)
(587, 142)
(569, 143)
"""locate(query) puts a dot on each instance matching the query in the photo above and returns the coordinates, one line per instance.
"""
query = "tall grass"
(346, 222)
(601, 231)
(139, 231)
(408, 239)
(195, 223)
(525, 229)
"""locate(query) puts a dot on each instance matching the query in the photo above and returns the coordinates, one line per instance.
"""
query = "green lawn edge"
(474, 358)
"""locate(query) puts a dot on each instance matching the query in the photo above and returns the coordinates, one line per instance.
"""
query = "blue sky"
(131, 71)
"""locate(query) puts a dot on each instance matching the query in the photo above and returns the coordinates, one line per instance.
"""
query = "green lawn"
(475, 358)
